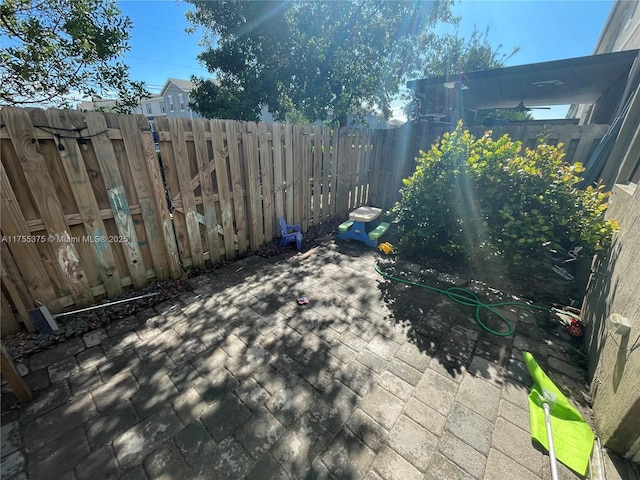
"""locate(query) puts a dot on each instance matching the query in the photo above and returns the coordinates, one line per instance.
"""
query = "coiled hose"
(470, 299)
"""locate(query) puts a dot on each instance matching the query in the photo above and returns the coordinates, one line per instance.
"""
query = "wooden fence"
(89, 207)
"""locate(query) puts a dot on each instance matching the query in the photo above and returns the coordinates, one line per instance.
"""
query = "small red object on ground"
(302, 300)
(575, 328)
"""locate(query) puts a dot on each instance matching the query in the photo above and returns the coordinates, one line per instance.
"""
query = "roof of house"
(560, 82)
(186, 85)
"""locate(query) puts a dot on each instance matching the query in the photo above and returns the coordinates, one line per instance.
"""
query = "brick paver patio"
(372, 380)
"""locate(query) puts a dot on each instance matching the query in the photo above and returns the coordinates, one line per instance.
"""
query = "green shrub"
(479, 198)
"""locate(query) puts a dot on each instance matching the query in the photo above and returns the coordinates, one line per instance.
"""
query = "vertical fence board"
(333, 175)
(304, 197)
(343, 173)
(296, 169)
(206, 187)
(108, 165)
(289, 174)
(254, 202)
(376, 165)
(324, 180)
(179, 225)
(43, 192)
(266, 175)
(279, 184)
(317, 175)
(157, 217)
(219, 157)
(237, 185)
(183, 171)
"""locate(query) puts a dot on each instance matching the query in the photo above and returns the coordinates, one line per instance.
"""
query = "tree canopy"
(55, 49)
(319, 60)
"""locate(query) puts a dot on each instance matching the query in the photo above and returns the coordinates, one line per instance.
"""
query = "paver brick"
(470, 427)
(334, 407)
(392, 466)
(59, 421)
(395, 385)
(405, 371)
(499, 467)
(117, 345)
(47, 400)
(120, 363)
(436, 391)
(11, 440)
(224, 416)
(371, 361)
(252, 394)
(144, 436)
(424, 415)
(91, 357)
(13, 464)
(382, 406)
(479, 396)
(414, 442)
(184, 377)
(441, 468)
(105, 427)
(259, 432)
(383, 347)
(232, 345)
(122, 326)
(463, 455)
(56, 458)
(153, 396)
(297, 448)
(195, 442)
(84, 381)
(63, 369)
(228, 460)
(347, 457)
(357, 377)
(268, 467)
(214, 388)
(116, 390)
(166, 462)
(98, 465)
(516, 444)
(57, 353)
(368, 430)
(94, 337)
(37, 381)
(189, 405)
(410, 354)
(514, 414)
(291, 402)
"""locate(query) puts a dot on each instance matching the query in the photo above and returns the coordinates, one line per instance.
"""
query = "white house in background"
(175, 103)
(172, 101)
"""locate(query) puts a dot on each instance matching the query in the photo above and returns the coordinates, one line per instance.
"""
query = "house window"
(148, 106)
(181, 101)
(163, 109)
(171, 107)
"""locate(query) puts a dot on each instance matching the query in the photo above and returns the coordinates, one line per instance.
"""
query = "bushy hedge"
(480, 198)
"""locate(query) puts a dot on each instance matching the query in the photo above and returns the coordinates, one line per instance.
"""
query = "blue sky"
(544, 31)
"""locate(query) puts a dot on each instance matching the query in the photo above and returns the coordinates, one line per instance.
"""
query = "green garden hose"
(470, 299)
